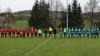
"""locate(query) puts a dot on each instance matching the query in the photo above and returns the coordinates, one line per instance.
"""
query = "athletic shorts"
(79, 33)
(40, 34)
(88, 34)
(64, 33)
(13, 33)
(72, 33)
(92, 33)
(50, 32)
(84, 33)
(96, 33)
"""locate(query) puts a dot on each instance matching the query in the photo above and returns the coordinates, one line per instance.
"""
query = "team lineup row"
(50, 32)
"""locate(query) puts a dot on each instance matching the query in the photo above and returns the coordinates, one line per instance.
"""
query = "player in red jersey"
(9, 32)
(35, 32)
(27, 32)
(13, 32)
(18, 32)
(5, 32)
(32, 32)
(24, 33)
(21, 33)
(2, 32)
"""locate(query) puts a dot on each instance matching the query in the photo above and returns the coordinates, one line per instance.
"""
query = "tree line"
(45, 14)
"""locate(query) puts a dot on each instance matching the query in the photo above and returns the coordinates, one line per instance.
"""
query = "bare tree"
(8, 10)
(51, 10)
(90, 8)
(9, 16)
(57, 6)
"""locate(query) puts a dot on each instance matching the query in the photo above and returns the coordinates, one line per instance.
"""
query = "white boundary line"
(34, 49)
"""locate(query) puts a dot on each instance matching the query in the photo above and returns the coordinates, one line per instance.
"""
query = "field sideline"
(49, 47)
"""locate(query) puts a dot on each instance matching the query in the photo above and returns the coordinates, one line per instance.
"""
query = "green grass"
(20, 24)
(87, 24)
(49, 47)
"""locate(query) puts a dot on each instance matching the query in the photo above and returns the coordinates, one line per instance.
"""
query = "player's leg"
(46, 35)
(71, 35)
(97, 35)
(17, 35)
(55, 35)
(79, 35)
(9, 34)
(41, 35)
(50, 34)
(35, 34)
(1, 35)
(87, 35)
(61, 35)
(64, 35)
(68, 34)
(5, 34)
(27, 35)
(14, 35)
(83, 34)
(93, 35)
(31, 35)
(23, 35)
(76, 34)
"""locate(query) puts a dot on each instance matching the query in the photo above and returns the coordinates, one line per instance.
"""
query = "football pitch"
(49, 47)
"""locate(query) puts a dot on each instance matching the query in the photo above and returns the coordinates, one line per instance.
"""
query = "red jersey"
(32, 30)
(36, 30)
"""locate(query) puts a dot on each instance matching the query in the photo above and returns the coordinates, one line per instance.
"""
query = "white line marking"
(34, 49)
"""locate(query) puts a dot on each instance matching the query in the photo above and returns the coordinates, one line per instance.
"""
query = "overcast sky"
(19, 5)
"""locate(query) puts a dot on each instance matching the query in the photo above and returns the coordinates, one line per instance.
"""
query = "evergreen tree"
(44, 14)
(34, 15)
(40, 15)
(69, 16)
(76, 15)
(79, 16)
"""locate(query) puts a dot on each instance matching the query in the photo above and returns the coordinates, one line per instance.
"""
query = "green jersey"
(39, 31)
(64, 30)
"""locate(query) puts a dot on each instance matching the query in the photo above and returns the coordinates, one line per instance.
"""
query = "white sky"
(19, 5)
